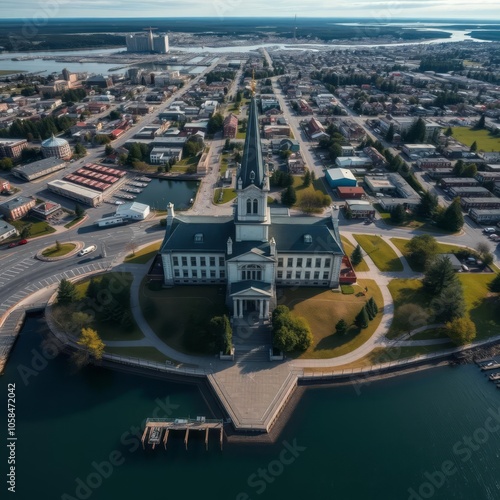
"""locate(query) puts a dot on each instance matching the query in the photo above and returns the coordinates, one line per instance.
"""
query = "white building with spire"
(253, 251)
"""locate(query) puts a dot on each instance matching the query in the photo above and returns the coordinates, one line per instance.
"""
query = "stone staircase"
(251, 340)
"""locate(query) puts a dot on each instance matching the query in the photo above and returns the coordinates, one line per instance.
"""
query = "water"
(373, 446)
(160, 192)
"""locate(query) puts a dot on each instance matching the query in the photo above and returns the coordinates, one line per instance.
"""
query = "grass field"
(64, 249)
(228, 194)
(76, 220)
(168, 311)
(143, 352)
(400, 243)
(380, 252)
(482, 306)
(323, 309)
(144, 255)
(485, 141)
(315, 186)
(185, 165)
(349, 248)
(36, 226)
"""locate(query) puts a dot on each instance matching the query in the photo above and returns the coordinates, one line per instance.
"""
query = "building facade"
(251, 252)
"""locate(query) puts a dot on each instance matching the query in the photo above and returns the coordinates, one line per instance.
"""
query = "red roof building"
(230, 126)
(351, 193)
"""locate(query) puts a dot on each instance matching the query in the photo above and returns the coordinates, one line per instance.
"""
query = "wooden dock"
(494, 366)
(156, 427)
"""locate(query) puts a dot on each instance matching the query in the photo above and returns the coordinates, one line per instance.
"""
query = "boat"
(495, 376)
(132, 190)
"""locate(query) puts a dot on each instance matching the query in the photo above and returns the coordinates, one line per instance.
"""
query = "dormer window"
(308, 238)
(252, 176)
(198, 238)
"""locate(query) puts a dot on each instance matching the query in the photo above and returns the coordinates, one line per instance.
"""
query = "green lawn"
(482, 306)
(485, 141)
(224, 163)
(228, 194)
(169, 311)
(144, 255)
(400, 243)
(185, 165)
(37, 227)
(64, 249)
(315, 186)
(143, 352)
(380, 252)
(76, 220)
(323, 309)
(107, 329)
(349, 248)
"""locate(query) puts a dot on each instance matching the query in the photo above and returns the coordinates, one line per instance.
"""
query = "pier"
(156, 427)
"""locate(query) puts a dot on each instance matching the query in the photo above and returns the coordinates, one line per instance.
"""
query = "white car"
(87, 250)
(119, 203)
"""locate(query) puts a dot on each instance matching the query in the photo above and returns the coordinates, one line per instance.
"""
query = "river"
(394, 437)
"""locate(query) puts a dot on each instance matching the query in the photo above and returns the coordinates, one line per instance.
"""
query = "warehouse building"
(38, 169)
(133, 211)
(17, 207)
(485, 216)
(78, 193)
(6, 230)
(340, 177)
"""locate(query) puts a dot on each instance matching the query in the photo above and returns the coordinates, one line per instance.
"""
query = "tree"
(80, 149)
(313, 202)
(428, 204)
(289, 333)
(80, 320)
(341, 327)
(458, 169)
(66, 292)
(371, 308)
(448, 132)
(389, 136)
(422, 249)
(93, 289)
(473, 147)
(215, 123)
(450, 303)
(6, 164)
(481, 123)
(452, 218)
(470, 170)
(79, 211)
(494, 284)
(289, 196)
(356, 256)
(108, 150)
(439, 276)
(222, 334)
(398, 214)
(58, 245)
(92, 343)
(362, 319)
(307, 179)
(461, 330)
(410, 316)
(26, 232)
(416, 133)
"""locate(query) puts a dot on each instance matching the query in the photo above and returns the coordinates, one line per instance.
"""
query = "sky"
(377, 9)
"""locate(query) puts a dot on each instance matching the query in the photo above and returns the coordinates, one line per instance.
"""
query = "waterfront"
(160, 192)
(375, 445)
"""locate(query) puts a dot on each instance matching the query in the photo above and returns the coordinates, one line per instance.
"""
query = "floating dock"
(142, 179)
(495, 376)
(124, 196)
(493, 366)
(156, 427)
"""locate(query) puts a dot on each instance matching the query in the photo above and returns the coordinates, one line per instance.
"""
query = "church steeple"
(252, 166)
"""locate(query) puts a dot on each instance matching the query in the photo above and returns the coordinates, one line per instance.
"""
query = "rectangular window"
(316, 275)
(203, 273)
(308, 275)
(289, 262)
(298, 275)
(280, 275)
(280, 262)
(193, 261)
(203, 261)
(328, 262)
(184, 261)
(299, 262)
(289, 275)
(175, 260)
(176, 273)
(222, 273)
(325, 275)
(194, 273)
(185, 273)
(221, 261)
(212, 274)
(317, 263)
(309, 263)
(212, 261)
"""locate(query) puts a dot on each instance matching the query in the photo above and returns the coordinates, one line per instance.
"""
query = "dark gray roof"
(38, 166)
(246, 285)
(215, 231)
(289, 233)
(242, 247)
(252, 165)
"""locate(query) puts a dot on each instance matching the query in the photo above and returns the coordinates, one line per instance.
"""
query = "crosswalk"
(51, 280)
(16, 269)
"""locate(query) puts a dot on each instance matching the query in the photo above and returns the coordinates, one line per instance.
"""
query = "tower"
(252, 213)
(150, 38)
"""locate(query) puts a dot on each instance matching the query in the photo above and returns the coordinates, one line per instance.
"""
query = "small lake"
(160, 192)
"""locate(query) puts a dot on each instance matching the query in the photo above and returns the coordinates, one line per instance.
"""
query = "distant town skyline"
(379, 10)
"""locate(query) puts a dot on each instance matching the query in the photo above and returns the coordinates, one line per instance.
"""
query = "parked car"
(87, 250)
(17, 243)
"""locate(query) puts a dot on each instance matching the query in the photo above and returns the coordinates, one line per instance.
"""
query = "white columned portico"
(241, 308)
(266, 313)
(261, 308)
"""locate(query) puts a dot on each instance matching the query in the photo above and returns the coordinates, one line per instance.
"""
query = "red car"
(16, 243)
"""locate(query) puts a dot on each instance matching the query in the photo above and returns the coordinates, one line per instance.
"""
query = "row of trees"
(40, 129)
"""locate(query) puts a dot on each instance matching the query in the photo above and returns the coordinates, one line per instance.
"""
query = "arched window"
(251, 272)
(249, 206)
(255, 206)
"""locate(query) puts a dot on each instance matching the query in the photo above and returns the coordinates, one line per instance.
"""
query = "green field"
(484, 139)
(380, 252)
(64, 249)
(323, 309)
(349, 248)
(144, 255)
(36, 226)
(228, 194)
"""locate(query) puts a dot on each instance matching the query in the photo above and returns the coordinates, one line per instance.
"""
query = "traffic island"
(60, 252)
